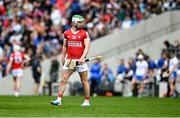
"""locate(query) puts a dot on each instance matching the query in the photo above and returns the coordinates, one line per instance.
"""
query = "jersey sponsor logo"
(74, 37)
(75, 43)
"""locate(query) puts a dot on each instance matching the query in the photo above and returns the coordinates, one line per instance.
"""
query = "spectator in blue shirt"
(121, 67)
(95, 77)
(160, 62)
(117, 86)
(106, 80)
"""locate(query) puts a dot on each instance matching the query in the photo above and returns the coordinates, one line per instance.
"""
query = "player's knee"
(84, 80)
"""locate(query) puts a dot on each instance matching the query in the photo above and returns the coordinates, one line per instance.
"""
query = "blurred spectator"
(56, 16)
(129, 73)
(163, 85)
(172, 72)
(36, 71)
(95, 77)
(141, 52)
(54, 69)
(121, 67)
(106, 82)
(168, 47)
(140, 74)
(151, 68)
(132, 64)
(168, 5)
(127, 23)
(117, 86)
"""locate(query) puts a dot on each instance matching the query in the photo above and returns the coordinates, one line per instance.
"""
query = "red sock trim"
(87, 97)
(60, 95)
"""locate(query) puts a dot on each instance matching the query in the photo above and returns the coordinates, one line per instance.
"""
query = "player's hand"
(63, 61)
(81, 61)
(22, 64)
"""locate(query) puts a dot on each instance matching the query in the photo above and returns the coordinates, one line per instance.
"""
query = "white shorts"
(17, 72)
(78, 68)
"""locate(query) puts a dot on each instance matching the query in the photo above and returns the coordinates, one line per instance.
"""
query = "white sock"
(59, 98)
(16, 93)
(86, 100)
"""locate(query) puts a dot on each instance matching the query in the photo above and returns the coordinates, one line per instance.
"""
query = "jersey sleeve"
(176, 61)
(86, 36)
(65, 35)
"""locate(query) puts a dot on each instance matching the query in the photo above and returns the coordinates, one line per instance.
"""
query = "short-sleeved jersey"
(75, 43)
(17, 59)
(141, 67)
(173, 62)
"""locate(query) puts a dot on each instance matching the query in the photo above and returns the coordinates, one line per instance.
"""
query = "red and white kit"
(75, 46)
(17, 59)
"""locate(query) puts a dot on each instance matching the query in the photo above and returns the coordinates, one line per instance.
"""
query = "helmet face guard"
(78, 21)
(16, 48)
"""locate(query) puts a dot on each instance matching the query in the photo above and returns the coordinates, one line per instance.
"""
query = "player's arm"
(165, 65)
(9, 65)
(27, 59)
(86, 49)
(64, 50)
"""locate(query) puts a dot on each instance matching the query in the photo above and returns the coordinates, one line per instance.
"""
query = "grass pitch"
(39, 106)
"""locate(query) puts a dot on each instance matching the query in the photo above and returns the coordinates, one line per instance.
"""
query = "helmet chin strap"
(75, 28)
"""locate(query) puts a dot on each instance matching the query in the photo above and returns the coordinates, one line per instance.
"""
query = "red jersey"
(75, 43)
(17, 59)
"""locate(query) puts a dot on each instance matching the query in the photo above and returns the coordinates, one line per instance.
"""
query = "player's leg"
(172, 87)
(172, 79)
(84, 79)
(65, 76)
(66, 73)
(36, 85)
(133, 82)
(16, 86)
(141, 89)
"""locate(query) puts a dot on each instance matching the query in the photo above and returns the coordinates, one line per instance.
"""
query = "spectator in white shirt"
(172, 72)
(140, 74)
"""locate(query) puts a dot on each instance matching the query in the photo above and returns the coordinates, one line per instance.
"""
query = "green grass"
(39, 106)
